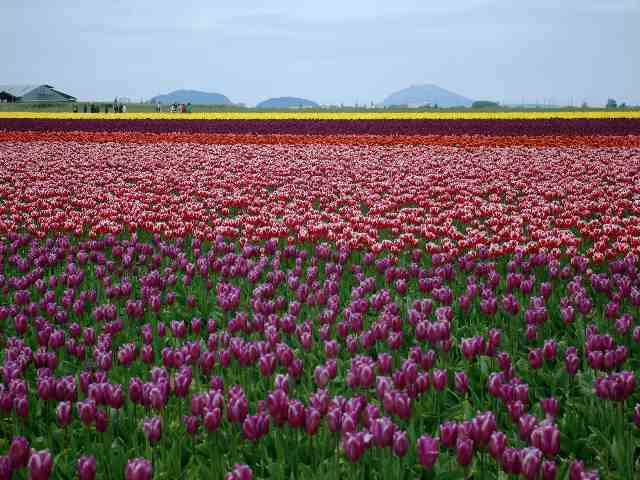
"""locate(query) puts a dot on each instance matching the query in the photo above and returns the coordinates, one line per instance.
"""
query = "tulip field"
(321, 297)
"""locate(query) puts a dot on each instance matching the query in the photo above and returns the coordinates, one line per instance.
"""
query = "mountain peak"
(426, 94)
(192, 96)
(287, 102)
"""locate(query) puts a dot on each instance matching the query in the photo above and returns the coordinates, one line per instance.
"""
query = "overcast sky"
(326, 50)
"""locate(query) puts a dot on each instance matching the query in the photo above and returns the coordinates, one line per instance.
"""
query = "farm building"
(32, 93)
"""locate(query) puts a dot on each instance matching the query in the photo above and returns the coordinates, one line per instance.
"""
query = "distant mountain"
(288, 102)
(192, 96)
(420, 95)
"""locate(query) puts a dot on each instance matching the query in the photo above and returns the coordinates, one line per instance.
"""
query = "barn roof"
(19, 90)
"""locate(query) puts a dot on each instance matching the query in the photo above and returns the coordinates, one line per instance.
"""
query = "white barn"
(33, 93)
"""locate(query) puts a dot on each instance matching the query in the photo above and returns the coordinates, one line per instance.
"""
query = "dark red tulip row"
(620, 141)
(550, 127)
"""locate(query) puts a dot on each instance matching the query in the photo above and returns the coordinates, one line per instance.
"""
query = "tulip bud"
(439, 379)
(546, 437)
(21, 404)
(464, 450)
(86, 467)
(152, 427)
(402, 405)
(550, 406)
(526, 424)
(296, 414)
(400, 443)
(40, 465)
(497, 444)
(101, 420)
(19, 452)
(138, 469)
(5, 467)
(511, 461)
(548, 470)
(449, 434)
(334, 420)
(211, 419)
(353, 446)
(530, 460)
(240, 472)
(576, 470)
(428, 451)
(312, 421)
(86, 411)
(461, 382)
(190, 423)
(382, 430)
(322, 377)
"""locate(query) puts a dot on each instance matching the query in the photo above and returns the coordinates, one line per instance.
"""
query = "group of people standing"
(176, 107)
(119, 107)
(95, 108)
(91, 108)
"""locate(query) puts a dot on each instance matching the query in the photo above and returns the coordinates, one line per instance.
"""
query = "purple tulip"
(511, 461)
(550, 407)
(550, 349)
(191, 423)
(19, 452)
(240, 472)
(548, 470)
(546, 437)
(526, 424)
(237, 409)
(535, 358)
(21, 404)
(152, 427)
(296, 414)
(334, 420)
(448, 434)
(576, 470)
(516, 409)
(101, 420)
(86, 467)
(402, 405)
(439, 379)
(464, 451)
(382, 430)
(138, 469)
(312, 420)
(353, 446)
(6, 470)
(428, 451)
(572, 364)
(400, 443)
(86, 411)
(278, 405)
(484, 424)
(40, 465)
(530, 461)
(461, 382)
(497, 444)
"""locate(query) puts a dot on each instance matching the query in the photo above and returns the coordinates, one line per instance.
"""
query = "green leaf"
(618, 454)
(277, 471)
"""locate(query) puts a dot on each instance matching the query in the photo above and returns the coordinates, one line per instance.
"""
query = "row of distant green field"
(147, 107)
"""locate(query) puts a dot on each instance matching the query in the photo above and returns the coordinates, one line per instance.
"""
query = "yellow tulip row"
(314, 115)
